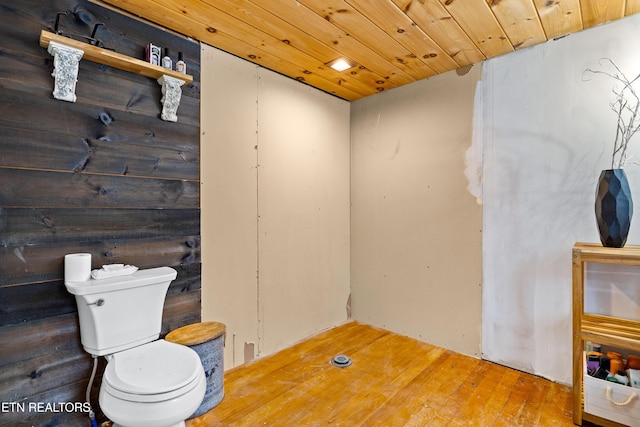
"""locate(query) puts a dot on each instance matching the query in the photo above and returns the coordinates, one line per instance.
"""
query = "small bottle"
(181, 67)
(166, 59)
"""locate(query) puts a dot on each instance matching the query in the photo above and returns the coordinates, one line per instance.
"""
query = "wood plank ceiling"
(392, 42)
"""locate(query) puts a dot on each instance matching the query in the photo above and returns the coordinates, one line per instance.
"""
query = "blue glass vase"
(614, 208)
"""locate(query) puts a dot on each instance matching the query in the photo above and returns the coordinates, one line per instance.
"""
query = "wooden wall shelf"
(113, 59)
(67, 54)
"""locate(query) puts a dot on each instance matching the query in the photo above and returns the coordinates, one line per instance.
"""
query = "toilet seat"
(152, 372)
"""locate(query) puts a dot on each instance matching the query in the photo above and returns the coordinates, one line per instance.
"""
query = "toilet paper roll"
(77, 267)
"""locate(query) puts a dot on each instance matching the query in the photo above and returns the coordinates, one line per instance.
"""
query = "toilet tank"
(121, 312)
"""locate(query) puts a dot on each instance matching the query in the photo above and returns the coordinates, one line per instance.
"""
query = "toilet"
(148, 382)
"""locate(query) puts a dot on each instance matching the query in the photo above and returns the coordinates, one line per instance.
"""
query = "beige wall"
(228, 177)
(275, 206)
(416, 245)
(303, 205)
(416, 254)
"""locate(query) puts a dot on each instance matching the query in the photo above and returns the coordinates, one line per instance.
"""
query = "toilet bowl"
(158, 384)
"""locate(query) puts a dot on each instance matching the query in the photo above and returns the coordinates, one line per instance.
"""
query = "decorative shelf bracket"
(171, 94)
(66, 62)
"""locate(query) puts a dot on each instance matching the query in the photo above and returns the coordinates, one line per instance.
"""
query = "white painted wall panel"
(547, 135)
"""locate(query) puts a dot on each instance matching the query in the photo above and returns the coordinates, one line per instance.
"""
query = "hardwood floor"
(393, 381)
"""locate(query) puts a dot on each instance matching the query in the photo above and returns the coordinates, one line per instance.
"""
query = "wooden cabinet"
(597, 328)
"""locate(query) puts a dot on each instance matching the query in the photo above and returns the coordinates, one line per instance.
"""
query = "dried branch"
(626, 105)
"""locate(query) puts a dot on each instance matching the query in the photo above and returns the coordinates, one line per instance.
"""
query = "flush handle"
(99, 303)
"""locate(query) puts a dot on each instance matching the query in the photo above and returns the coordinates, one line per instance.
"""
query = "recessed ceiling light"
(341, 64)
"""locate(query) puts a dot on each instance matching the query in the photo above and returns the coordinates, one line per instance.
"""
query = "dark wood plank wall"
(103, 175)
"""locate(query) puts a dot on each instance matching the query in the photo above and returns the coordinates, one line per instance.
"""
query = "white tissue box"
(113, 270)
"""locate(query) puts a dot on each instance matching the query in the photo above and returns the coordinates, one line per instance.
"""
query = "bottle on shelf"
(166, 59)
(181, 67)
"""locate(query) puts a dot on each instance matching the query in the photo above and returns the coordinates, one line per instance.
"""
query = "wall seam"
(259, 326)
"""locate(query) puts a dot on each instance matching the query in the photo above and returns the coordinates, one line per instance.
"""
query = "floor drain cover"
(341, 361)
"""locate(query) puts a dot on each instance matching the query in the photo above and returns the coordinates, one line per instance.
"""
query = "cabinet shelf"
(592, 252)
(611, 331)
(113, 59)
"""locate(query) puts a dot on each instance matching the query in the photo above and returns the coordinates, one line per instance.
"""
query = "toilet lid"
(154, 368)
